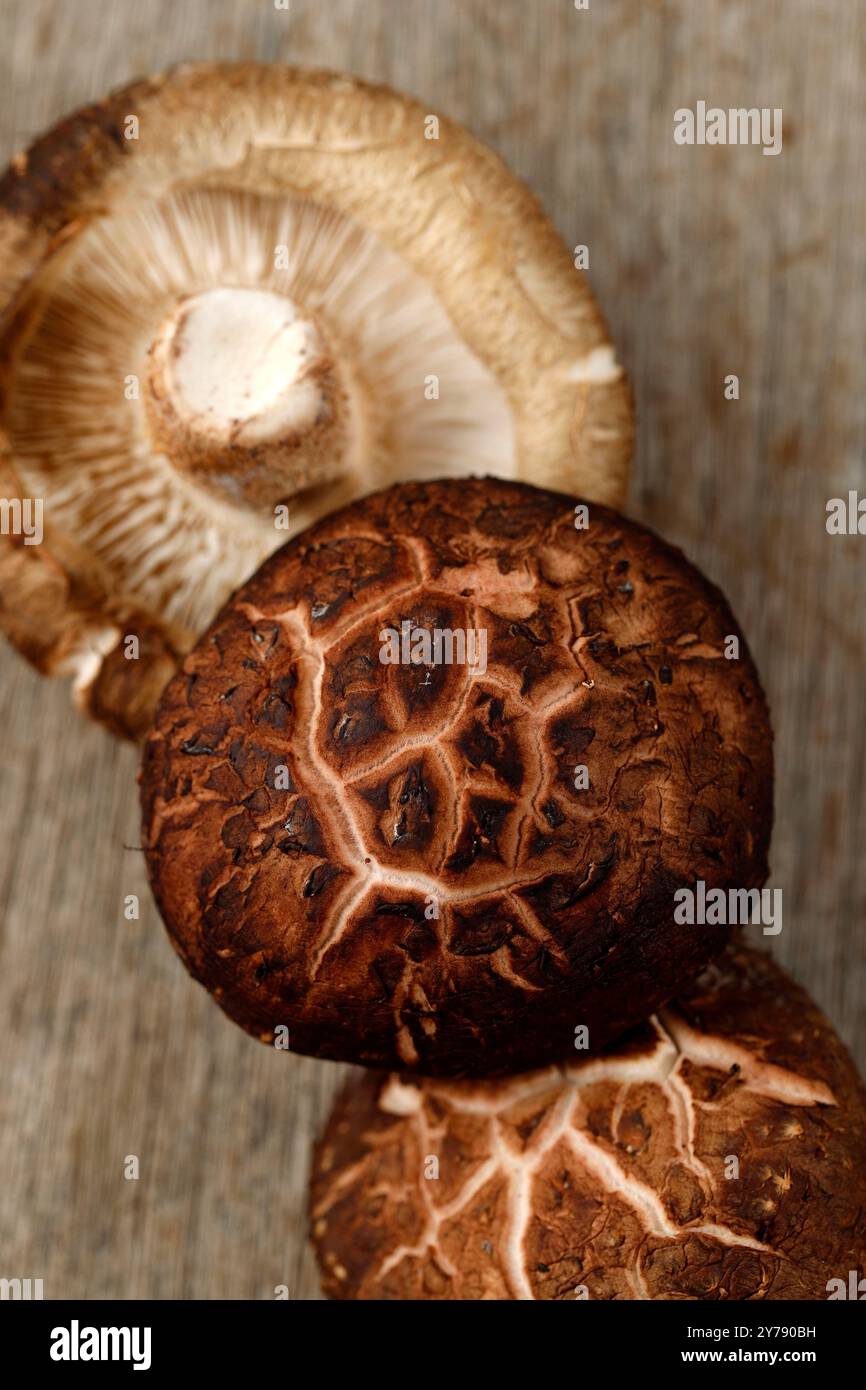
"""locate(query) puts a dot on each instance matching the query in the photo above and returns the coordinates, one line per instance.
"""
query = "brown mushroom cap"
(397, 861)
(275, 285)
(717, 1153)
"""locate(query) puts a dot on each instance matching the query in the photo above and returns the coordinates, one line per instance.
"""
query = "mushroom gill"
(157, 491)
(236, 296)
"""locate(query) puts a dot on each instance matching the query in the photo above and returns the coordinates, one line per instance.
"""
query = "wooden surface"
(707, 261)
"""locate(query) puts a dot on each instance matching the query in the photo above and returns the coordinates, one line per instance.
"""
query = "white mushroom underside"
(76, 421)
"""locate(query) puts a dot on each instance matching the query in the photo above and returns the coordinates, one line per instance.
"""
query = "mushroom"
(235, 296)
(719, 1152)
(454, 866)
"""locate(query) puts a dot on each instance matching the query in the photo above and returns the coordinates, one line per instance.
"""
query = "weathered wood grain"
(708, 261)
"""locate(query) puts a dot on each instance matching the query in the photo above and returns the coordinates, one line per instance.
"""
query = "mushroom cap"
(719, 1152)
(397, 859)
(454, 334)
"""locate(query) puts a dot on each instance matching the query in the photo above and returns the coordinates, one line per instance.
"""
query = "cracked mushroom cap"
(450, 867)
(719, 1152)
(237, 285)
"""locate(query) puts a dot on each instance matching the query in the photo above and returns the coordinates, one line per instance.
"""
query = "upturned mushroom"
(424, 794)
(719, 1152)
(238, 287)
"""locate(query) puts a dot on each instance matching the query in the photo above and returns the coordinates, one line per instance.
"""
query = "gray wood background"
(707, 261)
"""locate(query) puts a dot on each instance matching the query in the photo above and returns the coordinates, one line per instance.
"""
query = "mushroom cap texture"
(393, 860)
(468, 233)
(719, 1152)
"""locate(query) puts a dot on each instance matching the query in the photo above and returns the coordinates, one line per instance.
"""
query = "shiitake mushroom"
(237, 295)
(717, 1152)
(457, 869)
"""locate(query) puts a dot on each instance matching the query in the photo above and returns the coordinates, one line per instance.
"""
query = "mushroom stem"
(244, 394)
